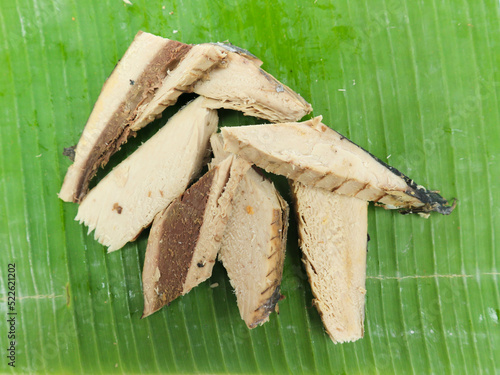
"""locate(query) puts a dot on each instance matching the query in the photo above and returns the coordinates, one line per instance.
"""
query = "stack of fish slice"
(232, 211)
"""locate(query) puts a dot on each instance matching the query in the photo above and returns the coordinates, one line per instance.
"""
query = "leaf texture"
(415, 82)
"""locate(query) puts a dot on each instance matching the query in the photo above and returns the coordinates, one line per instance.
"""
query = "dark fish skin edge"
(118, 130)
(269, 306)
(232, 48)
(432, 201)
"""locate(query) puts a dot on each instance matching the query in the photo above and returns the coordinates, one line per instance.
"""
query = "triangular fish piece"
(186, 237)
(315, 155)
(333, 238)
(130, 196)
(254, 244)
(130, 86)
(240, 83)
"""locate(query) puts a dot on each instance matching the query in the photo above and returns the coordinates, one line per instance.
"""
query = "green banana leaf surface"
(416, 83)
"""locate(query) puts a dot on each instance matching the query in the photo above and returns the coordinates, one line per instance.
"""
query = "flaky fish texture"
(333, 239)
(126, 93)
(315, 155)
(129, 197)
(254, 244)
(186, 237)
(241, 84)
(151, 76)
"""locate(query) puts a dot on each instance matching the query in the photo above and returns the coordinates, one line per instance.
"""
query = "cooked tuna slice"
(130, 196)
(241, 84)
(198, 62)
(186, 236)
(150, 77)
(333, 236)
(254, 243)
(315, 155)
(152, 68)
(253, 247)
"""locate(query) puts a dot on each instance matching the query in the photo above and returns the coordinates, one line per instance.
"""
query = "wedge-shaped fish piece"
(240, 84)
(315, 155)
(229, 77)
(333, 236)
(151, 75)
(186, 236)
(181, 248)
(253, 247)
(196, 65)
(130, 196)
(254, 243)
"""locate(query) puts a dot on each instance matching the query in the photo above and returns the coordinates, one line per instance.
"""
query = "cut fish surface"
(186, 237)
(130, 196)
(241, 84)
(253, 247)
(333, 239)
(315, 155)
(151, 76)
(254, 243)
(132, 83)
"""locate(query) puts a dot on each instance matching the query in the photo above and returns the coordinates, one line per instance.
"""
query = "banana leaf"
(415, 82)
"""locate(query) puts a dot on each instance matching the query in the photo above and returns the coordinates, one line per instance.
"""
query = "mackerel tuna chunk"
(241, 84)
(129, 88)
(333, 239)
(129, 197)
(254, 243)
(186, 237)
(151, 76)
(315, 155)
